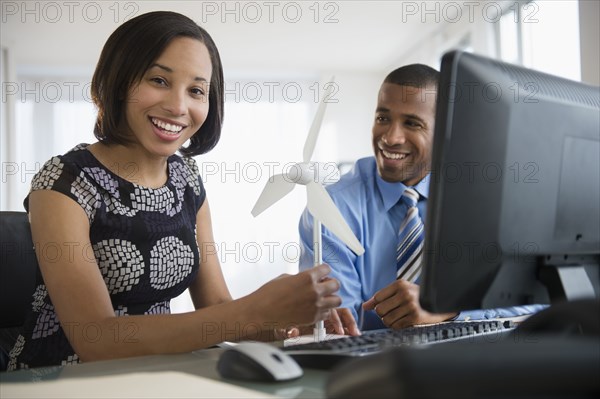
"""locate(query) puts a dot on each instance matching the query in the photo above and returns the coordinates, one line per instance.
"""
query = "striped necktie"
(411, 234)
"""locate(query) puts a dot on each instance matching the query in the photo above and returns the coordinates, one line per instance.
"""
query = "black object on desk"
(546, 368)
(553, 354)
(328, 354)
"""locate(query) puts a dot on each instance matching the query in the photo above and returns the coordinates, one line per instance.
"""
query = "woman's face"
(170, 102)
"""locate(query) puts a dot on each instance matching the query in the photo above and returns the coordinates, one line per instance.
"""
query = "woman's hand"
(292, 300)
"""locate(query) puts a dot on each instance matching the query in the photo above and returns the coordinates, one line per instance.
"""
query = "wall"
(589, 13)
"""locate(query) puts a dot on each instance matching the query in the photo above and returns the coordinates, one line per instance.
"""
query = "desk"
(549, 367)
(200, 363)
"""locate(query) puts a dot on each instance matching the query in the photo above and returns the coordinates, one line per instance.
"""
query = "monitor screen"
(515, 188)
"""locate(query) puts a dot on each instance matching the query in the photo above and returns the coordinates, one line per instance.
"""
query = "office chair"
(18, 268)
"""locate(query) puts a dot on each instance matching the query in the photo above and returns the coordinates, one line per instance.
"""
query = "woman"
(123, 225)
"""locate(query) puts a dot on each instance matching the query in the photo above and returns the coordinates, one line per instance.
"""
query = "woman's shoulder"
(184, 168)
(189, 163)
(66, 174)
(66, 165)
(78, 153)
(73, 160)
(183, 172)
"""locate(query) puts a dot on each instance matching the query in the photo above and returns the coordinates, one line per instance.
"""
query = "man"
(370, 199)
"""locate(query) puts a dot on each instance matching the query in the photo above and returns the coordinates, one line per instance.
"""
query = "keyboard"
(328, 354)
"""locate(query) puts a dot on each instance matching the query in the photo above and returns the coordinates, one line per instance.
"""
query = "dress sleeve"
(195, 181)
(68, 179)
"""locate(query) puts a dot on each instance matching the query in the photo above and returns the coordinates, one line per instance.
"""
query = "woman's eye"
(159, 81)
(197, 91)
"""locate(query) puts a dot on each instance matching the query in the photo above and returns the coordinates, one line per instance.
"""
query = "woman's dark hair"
(414, 75)
(127, 55)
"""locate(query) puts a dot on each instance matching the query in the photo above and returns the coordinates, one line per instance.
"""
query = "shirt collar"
(391, 192)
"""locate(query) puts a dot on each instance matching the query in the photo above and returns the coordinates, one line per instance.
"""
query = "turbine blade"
(276, 188)
(313, 133)
(322, 207)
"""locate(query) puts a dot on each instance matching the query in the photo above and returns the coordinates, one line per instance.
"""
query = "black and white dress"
(143, 241)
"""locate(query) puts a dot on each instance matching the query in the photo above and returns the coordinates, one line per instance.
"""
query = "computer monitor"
(513, 211)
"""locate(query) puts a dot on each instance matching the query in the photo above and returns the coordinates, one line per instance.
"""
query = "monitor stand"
(570, 279)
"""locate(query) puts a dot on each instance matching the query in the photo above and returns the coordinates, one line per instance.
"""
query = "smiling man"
(369, 196)
(380, 288)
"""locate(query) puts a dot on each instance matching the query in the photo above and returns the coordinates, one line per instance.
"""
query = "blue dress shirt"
(373, 211)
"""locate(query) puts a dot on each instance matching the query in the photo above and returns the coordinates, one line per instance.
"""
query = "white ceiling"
(362, 36)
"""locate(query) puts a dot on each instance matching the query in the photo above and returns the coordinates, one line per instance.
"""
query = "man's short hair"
(414, 75)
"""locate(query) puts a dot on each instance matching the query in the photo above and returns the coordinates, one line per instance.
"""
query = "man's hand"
(398, 306)
(340, 322)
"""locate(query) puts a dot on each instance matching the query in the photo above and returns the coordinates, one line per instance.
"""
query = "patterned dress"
(143, 241)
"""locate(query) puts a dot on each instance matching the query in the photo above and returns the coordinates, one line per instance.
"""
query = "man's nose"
(394, 135)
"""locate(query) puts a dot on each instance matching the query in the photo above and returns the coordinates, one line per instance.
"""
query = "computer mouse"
(257, 361)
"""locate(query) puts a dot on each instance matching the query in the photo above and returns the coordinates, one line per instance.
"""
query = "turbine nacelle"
(313, 175)
(317, 172)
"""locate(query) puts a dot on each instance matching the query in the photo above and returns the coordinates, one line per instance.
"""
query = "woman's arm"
(83, 306)
(209, 287)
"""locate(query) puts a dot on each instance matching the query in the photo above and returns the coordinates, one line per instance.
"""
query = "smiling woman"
(164, 109)
(174, 98)
(134, 220)
(152, 54)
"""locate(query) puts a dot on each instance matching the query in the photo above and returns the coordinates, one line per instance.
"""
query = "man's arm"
(513, 311)
(398, 307)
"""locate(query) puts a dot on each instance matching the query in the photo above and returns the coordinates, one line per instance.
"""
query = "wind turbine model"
(319, 203)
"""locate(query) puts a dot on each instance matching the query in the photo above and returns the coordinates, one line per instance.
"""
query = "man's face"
(403, 132)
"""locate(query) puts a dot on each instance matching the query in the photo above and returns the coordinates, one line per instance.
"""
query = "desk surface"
(540, 366)
(179, 376)
(196, 364)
